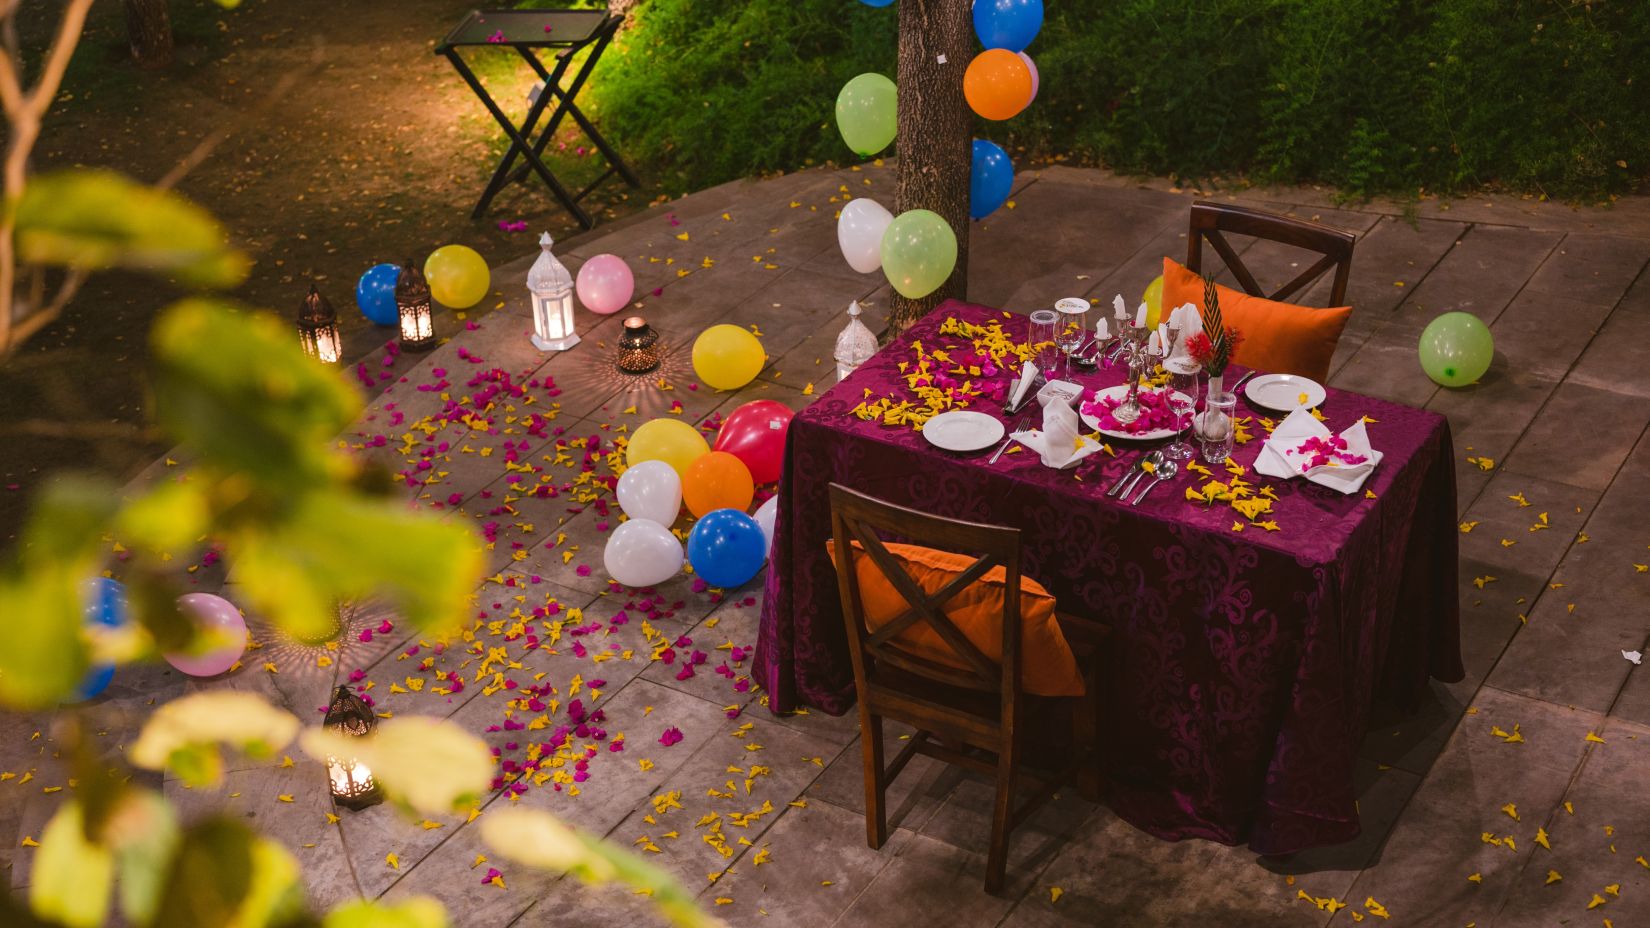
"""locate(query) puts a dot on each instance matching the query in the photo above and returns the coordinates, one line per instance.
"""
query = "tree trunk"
(149, 29)
(935, 138)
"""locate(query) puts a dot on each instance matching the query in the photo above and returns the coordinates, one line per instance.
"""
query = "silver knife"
(1117, 486)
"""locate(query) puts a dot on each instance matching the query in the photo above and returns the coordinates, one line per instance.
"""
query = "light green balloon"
(867, 113)
(919, 251)
(1456, 349)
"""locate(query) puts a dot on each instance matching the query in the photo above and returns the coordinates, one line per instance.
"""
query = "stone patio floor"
(1551, 594)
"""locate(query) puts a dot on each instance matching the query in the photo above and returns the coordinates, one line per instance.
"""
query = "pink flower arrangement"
(1157, 412)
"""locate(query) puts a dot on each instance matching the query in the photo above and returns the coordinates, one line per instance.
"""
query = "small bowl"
(1063, 389)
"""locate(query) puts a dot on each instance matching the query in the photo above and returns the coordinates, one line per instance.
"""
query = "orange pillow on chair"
(1279, 338)
(1048, 667)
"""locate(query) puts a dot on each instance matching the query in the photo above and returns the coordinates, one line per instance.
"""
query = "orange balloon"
(717, 480)
(997, 84)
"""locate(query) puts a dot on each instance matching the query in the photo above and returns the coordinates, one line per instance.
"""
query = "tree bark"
(149, 29)
(935, 137)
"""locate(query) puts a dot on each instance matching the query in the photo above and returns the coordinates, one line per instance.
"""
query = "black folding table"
(567, 32)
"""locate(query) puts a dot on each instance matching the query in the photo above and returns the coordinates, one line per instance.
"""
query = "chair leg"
(996, 864)
(1086, 737)
(876, 815)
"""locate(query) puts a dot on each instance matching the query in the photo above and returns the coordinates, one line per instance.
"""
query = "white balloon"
(642, 553)
(859, 232)
(765, 515)
(651, 490)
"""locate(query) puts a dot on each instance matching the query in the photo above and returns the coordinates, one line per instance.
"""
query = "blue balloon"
(1010, 24)
(989, 180)
(726, 547)
(375, 294)
(106, 606)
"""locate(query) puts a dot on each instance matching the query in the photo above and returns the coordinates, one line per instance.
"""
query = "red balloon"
(755, 433)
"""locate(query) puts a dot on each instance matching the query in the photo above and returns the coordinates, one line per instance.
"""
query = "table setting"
(1270, 557)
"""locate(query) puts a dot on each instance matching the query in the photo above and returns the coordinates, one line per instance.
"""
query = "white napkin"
(1057, 442)
(1028, 374)
(1279, 457)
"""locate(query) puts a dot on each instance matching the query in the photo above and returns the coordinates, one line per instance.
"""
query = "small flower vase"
(1217, 383)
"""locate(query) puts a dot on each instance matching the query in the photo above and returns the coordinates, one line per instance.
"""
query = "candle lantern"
(318, 328)
(638, 347)
(854, 344)
(412, 299)
(352, 784)
(551, 287)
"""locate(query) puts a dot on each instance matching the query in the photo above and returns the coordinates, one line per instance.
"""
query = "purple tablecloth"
(1243, 664)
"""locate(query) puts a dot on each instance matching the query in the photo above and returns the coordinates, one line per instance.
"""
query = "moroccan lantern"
(352, 784)
(318, 328)
(854, 344)
(412, 300)
(551, 288)
(638, 347)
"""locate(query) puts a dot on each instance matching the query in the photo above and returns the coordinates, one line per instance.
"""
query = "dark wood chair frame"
(969, 716)
(1214, 220)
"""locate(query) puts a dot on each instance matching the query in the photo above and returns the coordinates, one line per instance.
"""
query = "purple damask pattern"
(1243, 664)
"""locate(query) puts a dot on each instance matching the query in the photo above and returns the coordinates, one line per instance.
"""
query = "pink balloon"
(216, 616)
(605, 284)
(1032, 66)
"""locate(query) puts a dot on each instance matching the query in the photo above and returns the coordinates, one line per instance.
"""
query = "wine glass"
(1072, 327)
(1183, 379)
(1044, 323)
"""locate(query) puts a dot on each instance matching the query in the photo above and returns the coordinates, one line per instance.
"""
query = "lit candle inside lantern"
(638, 347)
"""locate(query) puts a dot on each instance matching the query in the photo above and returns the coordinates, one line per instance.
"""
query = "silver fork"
(1009, 440)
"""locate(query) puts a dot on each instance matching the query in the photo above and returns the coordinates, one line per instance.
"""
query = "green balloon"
(1456, 349)
(919, 251)
(867, 113)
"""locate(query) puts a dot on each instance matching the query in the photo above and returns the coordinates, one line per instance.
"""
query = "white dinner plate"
(1284, 392)
(1118, 392)
(960, 430)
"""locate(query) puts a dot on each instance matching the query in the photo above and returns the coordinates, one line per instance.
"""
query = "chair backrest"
(856, 517)
(1214, 220)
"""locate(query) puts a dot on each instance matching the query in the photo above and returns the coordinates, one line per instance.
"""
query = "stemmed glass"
(1184, 379)
(1044, 323)
(1073, 327)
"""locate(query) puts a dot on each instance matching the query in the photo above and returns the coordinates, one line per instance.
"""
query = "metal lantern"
(638, 347)
(854, 344)
(552, 292)
(318, 328)
(412, 300)
(352, 784)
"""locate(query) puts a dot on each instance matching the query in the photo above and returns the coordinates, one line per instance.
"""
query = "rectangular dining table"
(1243, 662)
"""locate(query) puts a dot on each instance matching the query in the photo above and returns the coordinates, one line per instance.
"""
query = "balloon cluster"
(218, 643)
(668, 464)
(457, 275)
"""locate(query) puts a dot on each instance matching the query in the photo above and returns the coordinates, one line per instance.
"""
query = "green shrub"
(1375, 96)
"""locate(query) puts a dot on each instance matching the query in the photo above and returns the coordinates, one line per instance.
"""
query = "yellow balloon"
(727, 357)
(669, 440)
(1153, 298)
(458, 276)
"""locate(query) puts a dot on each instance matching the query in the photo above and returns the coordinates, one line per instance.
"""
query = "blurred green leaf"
(144, 834)
(429, 765)
(96, 220)
(417, 912)
(72, 877)
(169, 518)
(153, 599)
(235, 388)
(183, 735)
(45, 655)
(224, 874)
(333, 545)
(69, 517)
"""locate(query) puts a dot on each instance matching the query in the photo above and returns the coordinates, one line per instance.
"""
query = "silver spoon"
(1155, 459)
(1163, 471)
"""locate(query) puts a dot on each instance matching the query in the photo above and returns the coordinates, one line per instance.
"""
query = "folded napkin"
(1028, 376)
(1057, 443)
(1301, 446)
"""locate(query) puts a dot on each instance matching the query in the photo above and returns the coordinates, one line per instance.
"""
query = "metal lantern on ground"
(412, 300)
(854, 344)
(551, 287)
(638, 347)
(352, 784)
(318, 328)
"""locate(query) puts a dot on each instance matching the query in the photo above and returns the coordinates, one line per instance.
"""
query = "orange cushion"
(1281, 338)
(1047, 665)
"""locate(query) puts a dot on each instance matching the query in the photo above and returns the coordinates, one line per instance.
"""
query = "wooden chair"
(1214, 220)
(971, 717)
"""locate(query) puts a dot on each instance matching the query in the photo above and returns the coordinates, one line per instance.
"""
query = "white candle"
(1140, 316)
(1102, 329)
(1119, 310)
(1154, 345)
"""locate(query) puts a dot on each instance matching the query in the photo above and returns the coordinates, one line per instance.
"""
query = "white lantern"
(552, 292)
(854, 344)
